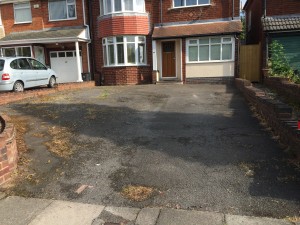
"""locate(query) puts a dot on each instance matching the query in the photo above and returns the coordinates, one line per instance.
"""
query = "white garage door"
(65, 65)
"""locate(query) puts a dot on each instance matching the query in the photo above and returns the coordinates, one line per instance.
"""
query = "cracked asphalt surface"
(199, 146)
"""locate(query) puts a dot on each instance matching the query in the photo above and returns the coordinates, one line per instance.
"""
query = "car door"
(41, 71)
(23, 71)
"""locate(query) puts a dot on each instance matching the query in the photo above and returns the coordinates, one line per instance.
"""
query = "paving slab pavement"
(31, 211)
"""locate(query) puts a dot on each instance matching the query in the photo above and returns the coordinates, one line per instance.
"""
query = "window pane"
(111, 55)
(227, 51)
(2, 64)
(24, 51)
(119, 39)
(14, 64)
(202, 2)
(141, 39)
(69, 54)
(105, 55)
(191, 2)
(131, 53)
(216, 40)
(215, 52)
(110, 40)
(71, 11)
(141, 53)
(140, 5)
(120, 52)
(8, 52)
(108, 6)
(193, 53)
(130, 38)
(57, 9)
(61, 54)
(22, 13)
(178, 3)
(204, 41)
(101, 8)
(226, 39)
(204, 53)
(118, 5)
(193, 42)
(23, 64)
(36, 65)
(53, 55)
(128, 5)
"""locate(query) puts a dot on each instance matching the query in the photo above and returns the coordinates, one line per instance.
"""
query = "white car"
(17, 73)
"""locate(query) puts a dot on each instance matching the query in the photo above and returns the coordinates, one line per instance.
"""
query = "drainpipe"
(233, 9)
(161, 13)
(91, 45)
(265, 8)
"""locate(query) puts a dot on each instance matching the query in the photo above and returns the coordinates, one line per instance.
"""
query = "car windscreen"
(1, 64)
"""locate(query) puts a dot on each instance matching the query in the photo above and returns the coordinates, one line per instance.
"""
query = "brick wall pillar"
(8, 151)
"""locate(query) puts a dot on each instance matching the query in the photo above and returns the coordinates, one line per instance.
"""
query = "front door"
(39, 54)
(168, 60)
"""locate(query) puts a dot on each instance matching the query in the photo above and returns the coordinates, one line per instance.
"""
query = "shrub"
(279, 64)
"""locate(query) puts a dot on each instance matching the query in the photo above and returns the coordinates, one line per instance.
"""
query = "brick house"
(139, 41)
(56, 32)
(268, 20)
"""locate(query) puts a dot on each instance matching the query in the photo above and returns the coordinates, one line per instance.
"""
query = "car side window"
(23, 64)
(36, 65)
(14, 64)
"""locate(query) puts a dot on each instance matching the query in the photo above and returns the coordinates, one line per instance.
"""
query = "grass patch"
(60, 141)
(137, 193)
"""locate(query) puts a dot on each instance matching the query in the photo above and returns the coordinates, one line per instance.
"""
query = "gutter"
(45, 41)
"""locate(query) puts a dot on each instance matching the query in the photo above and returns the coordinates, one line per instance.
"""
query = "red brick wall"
(280, 7)
(127, 75)
(217, 9)
(124, 25)
(277, 114)
(40, 18)
(8, 151)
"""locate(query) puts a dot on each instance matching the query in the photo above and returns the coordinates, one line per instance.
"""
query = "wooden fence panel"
(250, 62)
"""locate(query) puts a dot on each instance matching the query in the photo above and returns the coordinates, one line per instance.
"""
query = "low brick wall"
(278, 115)
(8, 97)
(8, 151)
(282, 86)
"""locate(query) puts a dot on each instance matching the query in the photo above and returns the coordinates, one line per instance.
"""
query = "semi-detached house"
(131, 42)
(53, 31)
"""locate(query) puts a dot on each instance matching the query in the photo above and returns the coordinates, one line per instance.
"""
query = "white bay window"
(124, 50)
(116, 6)
(210, 49)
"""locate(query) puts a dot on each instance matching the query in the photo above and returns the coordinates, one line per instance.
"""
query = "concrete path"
(31, 211)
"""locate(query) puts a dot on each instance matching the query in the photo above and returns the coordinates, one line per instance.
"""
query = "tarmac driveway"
(191, 146)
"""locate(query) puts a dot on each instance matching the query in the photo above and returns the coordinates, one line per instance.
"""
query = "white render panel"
(219, 69)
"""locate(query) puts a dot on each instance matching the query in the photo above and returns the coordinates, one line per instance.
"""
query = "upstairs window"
(62, 9)
(188, 3)
(115, 6)
(22, 12)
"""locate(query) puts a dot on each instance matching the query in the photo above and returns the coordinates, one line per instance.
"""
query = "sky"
(243, 2)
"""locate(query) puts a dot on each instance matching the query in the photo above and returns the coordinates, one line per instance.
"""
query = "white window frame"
(16, 51)
(104, 10)
(188, 6)
(24, 7)
(67, 4)
(115, 43)
(232, 42)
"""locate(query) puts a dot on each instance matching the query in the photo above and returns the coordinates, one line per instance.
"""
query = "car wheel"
(18, 86)
(52, 82)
